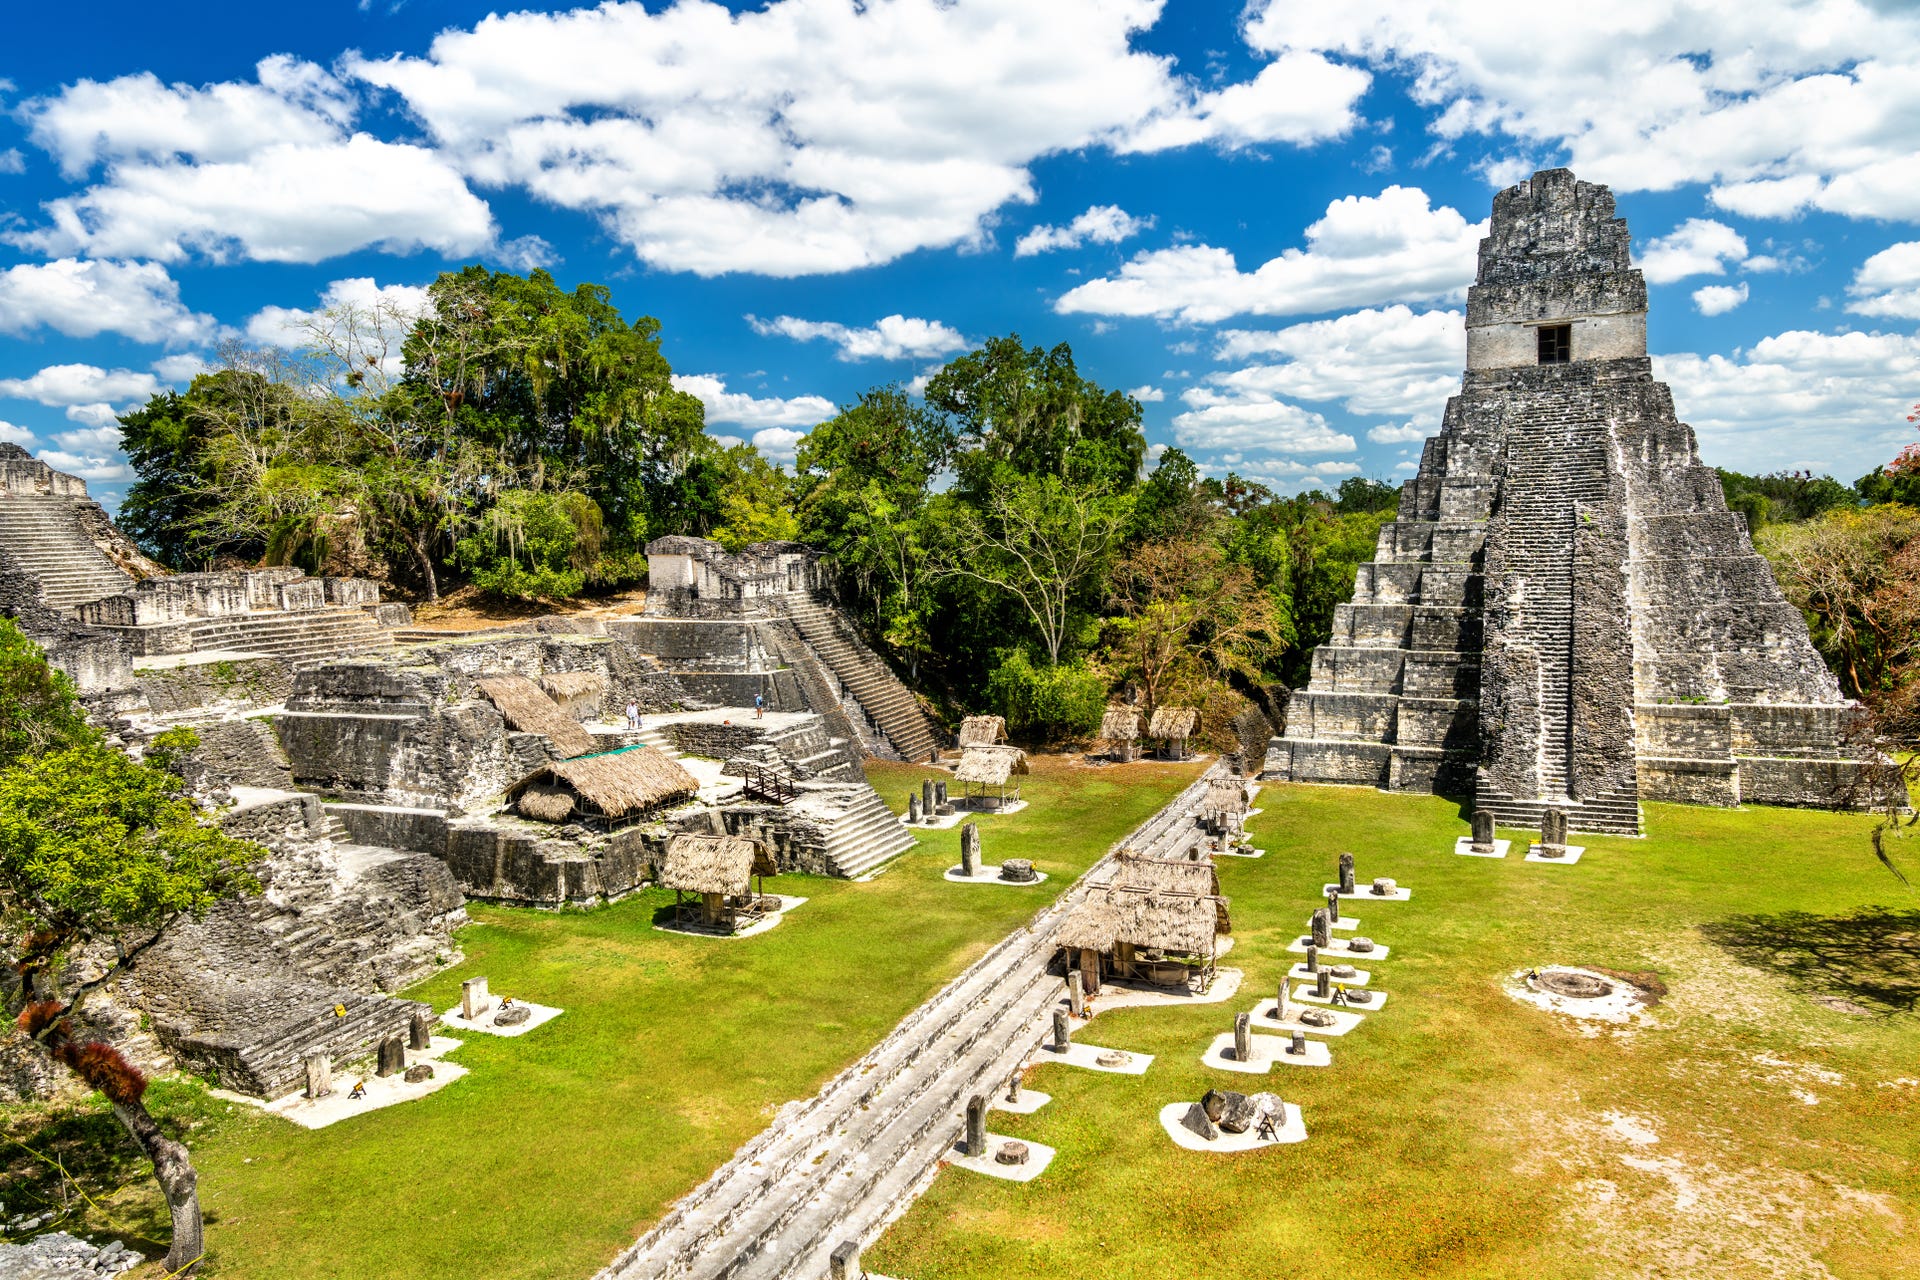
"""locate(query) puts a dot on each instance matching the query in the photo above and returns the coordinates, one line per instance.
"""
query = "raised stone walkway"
(843, 1164)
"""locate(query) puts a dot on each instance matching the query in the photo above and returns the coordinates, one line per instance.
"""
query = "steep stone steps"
(866, 836)
(886, 701)
(299, 638)
(41, 535)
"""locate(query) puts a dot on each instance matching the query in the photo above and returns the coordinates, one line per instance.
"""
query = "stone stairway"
(846, 1162)
(40, 534)
(866, 835)
(308, 636)
(887, 702)
(276, 1065)
(1556, 467)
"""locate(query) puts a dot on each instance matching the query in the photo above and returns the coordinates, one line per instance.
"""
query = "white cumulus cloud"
(894, 337)
(1888, 283)
(1365, 250)
(269, 171)
(80, 384)
(1101, 224)
(1389, 362)
(1300, 97)
(1254, 422)
(1148, 394)
(754, 413)
(1718, 299)
(1781, 106)
(1831, 401)
(1697, 247)
(83, 299)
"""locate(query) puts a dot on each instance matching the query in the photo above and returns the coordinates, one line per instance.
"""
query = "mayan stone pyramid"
(1565, 614)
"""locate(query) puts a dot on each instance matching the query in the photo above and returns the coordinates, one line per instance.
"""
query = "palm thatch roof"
(616, 784)
(990, 765)
(1173, 722)
(562, 686)
(1225, 796)
(982, 731)
(1164, 875)
(546, 802)
(1181, 923)
(531, 711)
(1120, 724)
(713, 864)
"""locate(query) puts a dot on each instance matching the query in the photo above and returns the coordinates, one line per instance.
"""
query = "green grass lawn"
(1744, 1130)
(564, 1144)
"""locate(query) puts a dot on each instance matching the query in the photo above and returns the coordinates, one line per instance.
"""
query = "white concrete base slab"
(1360, 978)
(1253, 813)
(1567, 859)
(1084, 1055)
(1039, 1156)
(1031, 1100)
(1263, 1018)
(1267, 1050)
(387, 1091)
(1464, 847)
(1365, 894)
(1292, 1129)
(1305, 994)
(939, 822)
(1244, 851)
(1219, 1054)
(989, 810)
(990, 874)
(542, 1014)
(1338, 947)
(1129, 995)
(1344, 922)
(764, 923)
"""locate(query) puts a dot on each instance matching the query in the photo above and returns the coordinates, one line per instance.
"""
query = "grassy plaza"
(563, 1145)
(1743, 1129)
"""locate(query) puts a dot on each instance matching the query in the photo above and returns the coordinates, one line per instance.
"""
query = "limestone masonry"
(1565, 614)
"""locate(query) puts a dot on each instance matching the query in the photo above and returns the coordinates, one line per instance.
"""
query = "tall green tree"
(101, 853)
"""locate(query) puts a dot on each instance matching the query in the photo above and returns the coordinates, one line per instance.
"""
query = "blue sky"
(1262, 219)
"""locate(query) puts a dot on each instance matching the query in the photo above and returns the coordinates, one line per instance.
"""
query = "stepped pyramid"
(1565, 614)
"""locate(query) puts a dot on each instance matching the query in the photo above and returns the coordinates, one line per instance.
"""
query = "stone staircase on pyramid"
(888, 703)
(41, 535)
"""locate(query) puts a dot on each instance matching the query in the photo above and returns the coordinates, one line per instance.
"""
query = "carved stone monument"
(1062, 1030)
(1076, 994)
(1346, 873)
(970, 849)
(474, 1000)
(1242, 1038)
(1322, 928)
(393, 1057)
(1483, 831)
(977, 1125)
(319, 1075)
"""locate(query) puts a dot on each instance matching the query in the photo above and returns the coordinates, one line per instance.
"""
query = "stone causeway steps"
(879, 692)
(312, 635)
(277, 1064)
(867, 835)
(41, 535)
(844, 1163)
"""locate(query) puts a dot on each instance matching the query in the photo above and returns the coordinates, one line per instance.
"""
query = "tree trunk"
(173, 1168)
(425, 561)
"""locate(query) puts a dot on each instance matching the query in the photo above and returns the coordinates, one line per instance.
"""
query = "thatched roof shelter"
(530, 710)
(1176, 923)
(982, 731)
(1120, 724)
(1224, 795)
(1165, 875)
(713, 864)
(546, 803)
(991, 766)
(1173, 722)
(615, 785)
(566, 686)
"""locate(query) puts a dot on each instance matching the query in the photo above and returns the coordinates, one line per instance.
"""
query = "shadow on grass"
(65, 1162)
(1871, 956)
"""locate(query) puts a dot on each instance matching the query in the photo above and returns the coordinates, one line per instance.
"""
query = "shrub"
(1045, 703)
